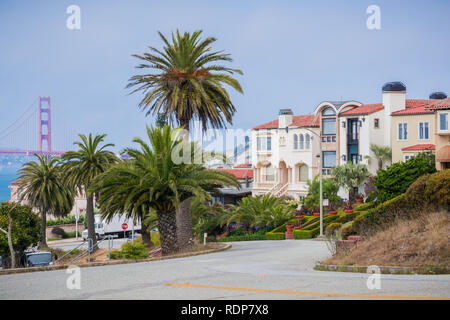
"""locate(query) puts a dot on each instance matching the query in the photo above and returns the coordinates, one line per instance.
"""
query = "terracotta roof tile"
(364, 109)
(297, 121)
(240, 173)
(420, 147)
(439, 104)
(244, 165)
(416, 110)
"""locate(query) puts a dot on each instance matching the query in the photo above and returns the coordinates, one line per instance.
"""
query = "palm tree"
(186, 82)
(43, 186)
(350, 175)
(81, 168)
(382, 153)
(152, 182)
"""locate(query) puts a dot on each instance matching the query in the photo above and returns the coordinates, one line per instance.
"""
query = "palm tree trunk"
(43, 242)
(91, 220)
(167, 232)
(146, 238)
(380, 164)
(183, 219)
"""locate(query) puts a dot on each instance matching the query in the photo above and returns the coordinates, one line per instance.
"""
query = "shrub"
(347, 229)
(332, 228)
(370, 189)
(396, 178)
(275, 236)
(329, 188)
(364, 206)
(59, 232)
(415, 194)
(437, 190)
(134, 251)
(303, 234)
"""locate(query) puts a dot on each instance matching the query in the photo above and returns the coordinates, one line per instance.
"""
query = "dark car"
(38, 259)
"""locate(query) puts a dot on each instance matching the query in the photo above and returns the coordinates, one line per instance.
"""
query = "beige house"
(441, 132)
(412, 130)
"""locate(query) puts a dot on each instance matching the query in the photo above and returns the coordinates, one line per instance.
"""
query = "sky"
(294, 54)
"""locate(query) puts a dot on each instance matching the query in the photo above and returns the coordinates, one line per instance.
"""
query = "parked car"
(37, 259)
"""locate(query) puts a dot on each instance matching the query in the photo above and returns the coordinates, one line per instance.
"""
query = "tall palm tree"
(43, 186)
(82, 166)
(382, 153)
(185, 82)
(152, 182)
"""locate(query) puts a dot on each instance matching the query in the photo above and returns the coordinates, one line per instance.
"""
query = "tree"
(43, 187)
(186, 82)
(350, 175)
(24, 227)
(330, 189)
(382, 153)
(82, 166)
(152, 182)
(396, 178)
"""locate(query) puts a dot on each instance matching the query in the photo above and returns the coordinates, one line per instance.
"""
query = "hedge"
(303, 234)
(245, 237)
(275, 236)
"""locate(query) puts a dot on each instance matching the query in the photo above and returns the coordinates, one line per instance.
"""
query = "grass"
(420, 242)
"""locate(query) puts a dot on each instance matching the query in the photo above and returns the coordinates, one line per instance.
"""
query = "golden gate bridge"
(19, 138)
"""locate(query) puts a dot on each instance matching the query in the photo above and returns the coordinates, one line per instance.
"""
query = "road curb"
(113, 262)
(383, 269)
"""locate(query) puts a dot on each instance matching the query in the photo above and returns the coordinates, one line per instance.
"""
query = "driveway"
(250, 270)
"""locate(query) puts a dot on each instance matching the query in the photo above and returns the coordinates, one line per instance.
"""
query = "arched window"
(302, 142)
(328, 112)
(308, 141)
(295, 142)
(303, 173)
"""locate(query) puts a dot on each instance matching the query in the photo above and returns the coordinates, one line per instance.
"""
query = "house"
(283, 153)
(441, 131)
(232, 195)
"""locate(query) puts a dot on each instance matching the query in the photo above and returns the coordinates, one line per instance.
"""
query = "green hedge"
(245, 237)
(275, 236)
(303, 234)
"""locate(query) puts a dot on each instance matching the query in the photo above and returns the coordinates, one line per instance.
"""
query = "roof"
(240, 173)
(418, 105)
(297, 121)
(420, 147)
(244, 165)
(411, 111)
(439, 104)
(364, 109)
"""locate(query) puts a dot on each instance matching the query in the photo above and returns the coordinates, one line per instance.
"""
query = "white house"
(283, 154)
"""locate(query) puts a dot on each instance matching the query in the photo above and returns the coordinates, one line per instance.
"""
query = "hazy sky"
(294, 54)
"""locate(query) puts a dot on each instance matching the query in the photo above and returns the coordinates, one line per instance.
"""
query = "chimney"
(285, 118)
(438, 95)
(394, 99)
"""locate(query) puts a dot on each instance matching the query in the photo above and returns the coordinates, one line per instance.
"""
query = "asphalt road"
(250, 270)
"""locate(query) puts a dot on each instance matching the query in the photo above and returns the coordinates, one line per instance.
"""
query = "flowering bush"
(370, 189)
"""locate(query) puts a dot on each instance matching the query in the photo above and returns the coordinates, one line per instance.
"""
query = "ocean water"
(5, 181)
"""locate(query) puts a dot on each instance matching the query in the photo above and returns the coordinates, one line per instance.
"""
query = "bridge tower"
(45, 124)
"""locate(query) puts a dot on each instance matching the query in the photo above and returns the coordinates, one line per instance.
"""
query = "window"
(443, 121)
(329, 126)
(302, 142)
(295, 142)
(407, 157)
(303, 173)
(402, 131)
(329, 159)
(264, 143)
(328, 112)
(308, 141)
(376, 123)
(423, 131)
(270, 174)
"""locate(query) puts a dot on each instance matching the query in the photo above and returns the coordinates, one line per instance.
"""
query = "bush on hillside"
(396, 178)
